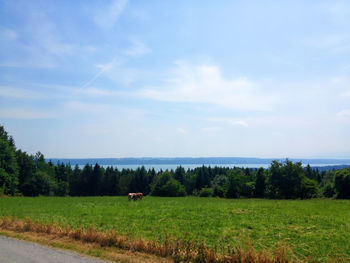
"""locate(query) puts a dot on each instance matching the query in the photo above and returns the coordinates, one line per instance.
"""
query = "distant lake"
(158, 167)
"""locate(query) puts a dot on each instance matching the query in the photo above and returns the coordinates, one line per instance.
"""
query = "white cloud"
(346, 94)
(44, 34)
(240, 123)
(35, 91)
(181, 130)
(37, 41)
(116, 71)
(205, 84)
(102, 68)
(337, 80)
(324, 41)
(113, 69)
(334, 43)
(90, 49)
(105, 67)
(157, 139)
(17, 93)
(79, 106)
(228, 121)
(345, 114)
(107, 17)
(97, 92)
(211, 129)
(27, 114)
(137, 48)
(339, 11)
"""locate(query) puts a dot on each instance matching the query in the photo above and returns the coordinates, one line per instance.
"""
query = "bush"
(2, 190)
(173, 188)
(165, 185)
(328, 190)
(309, 188)
(39, 184)
(206, 192)
(342, 183)
(248, 189)
(61, 189)
(219, 191)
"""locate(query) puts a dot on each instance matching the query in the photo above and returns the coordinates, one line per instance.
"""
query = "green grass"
(318, 229)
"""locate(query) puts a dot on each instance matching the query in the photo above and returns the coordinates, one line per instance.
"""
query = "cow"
(130, 196)
(135, 196)
(139, 195)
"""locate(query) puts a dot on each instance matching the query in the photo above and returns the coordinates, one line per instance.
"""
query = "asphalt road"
(18, 251)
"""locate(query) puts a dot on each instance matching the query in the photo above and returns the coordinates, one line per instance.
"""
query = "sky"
(119, 78)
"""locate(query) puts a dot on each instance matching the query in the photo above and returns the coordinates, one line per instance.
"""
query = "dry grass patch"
(90, 249)
(109, 244)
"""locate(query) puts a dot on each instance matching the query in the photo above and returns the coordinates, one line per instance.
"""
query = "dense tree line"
(31, 175)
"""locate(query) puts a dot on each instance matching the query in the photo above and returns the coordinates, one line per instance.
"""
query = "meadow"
(312, 229)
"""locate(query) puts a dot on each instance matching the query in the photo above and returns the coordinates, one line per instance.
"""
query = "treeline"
(31, 175)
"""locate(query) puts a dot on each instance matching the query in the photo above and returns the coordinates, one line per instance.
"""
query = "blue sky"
(123, 78)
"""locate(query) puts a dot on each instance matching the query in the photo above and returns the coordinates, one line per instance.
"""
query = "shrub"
(309, 188)
(206, 192)
(328, 190)
(248, 189)
(342, 183)
(219, 191)
(165, 185)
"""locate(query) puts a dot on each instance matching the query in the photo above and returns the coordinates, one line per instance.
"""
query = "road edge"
(91, 250)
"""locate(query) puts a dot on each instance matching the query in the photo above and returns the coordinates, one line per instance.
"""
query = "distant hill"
(330, 167)
(199, 160)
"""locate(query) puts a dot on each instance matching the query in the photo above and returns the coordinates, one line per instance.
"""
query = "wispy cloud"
(115, 70)
(137, 48)
(25, 114)
(230, 121)
(84, 107)
(35, 91)
(45, 34)
(108, 16)
(98, 92)
(240, 123)
(344, 114)
(334, 43)
(346, 94)
(181, 130)
(35, 42)
(211, 129)
(18, 93)
(339, 11)
(204, 83)
(102, 68)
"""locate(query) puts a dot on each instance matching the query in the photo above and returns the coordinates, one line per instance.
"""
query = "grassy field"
(318, 229)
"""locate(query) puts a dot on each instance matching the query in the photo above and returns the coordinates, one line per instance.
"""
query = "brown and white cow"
(135, 196)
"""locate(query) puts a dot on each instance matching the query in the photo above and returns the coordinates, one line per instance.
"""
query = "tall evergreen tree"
(342, 183)
(26, 169)
(8, 164)
(180, 174)
(260, 183)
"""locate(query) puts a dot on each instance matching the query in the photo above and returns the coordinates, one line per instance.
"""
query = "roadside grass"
(177, 250)
(89, 249)
(312, 230)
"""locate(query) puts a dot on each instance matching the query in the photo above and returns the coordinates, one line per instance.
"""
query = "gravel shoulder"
(19, 251)
(32, 247)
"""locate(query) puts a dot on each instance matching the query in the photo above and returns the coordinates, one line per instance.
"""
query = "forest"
(32, 175)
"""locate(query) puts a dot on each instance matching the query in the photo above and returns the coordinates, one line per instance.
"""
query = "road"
(18, 251)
